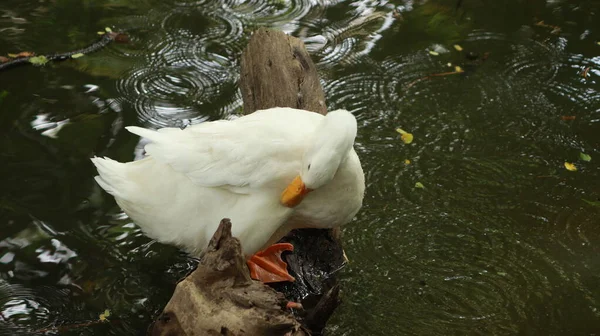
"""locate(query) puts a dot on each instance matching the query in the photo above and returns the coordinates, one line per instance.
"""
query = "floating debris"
(584, 73)
(38, 60)
(570, 166)
(104, 316)
(405, 136)
(585, 157)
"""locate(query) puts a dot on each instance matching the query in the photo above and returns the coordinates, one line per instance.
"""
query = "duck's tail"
(111, 176)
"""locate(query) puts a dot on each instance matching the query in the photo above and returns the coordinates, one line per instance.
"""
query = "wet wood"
(277, 72)
(219, 297)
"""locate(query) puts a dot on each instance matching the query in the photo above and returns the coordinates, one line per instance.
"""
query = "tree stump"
(219, 298)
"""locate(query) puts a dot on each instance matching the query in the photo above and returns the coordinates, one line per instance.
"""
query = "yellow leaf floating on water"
(108, 30)
(570, 166)
(12, 55)
(419, 185)
(77, 55)
(433, 53)
(407, 162)
(458, 69)
(103, 316)
(405, 136)
(101, 33)
(457, 47)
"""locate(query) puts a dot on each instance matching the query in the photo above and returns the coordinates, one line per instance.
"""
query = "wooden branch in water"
(106, 38)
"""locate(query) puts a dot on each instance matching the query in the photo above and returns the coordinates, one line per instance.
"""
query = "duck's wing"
(236, 155)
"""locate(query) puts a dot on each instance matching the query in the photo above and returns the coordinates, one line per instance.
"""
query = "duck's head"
(330, 144)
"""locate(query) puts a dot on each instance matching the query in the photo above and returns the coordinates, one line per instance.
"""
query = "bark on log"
(219, 298)
(278, 72)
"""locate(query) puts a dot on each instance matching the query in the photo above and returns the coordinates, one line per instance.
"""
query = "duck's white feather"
(247, 153)
(193, 178)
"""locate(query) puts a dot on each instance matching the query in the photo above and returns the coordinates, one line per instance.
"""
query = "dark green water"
(500, 241)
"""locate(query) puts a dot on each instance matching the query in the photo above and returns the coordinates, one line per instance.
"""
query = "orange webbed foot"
(267, 266)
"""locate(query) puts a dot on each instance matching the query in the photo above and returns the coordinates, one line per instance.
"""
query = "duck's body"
(193, 178)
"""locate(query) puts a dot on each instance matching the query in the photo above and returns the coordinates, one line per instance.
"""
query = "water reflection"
(499, 241)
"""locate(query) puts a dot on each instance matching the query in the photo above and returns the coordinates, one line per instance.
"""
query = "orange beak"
(294, 193)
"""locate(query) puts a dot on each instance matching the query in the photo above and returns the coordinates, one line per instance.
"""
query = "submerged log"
(219, 298)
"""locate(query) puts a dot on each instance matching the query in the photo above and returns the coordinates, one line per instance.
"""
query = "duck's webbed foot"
(267, 266)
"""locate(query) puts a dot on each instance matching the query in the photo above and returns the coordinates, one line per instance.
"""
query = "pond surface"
(500, 241)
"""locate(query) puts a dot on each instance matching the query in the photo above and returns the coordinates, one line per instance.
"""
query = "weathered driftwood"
(219, 298)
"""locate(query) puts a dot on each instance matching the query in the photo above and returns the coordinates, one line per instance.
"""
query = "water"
(498, 242)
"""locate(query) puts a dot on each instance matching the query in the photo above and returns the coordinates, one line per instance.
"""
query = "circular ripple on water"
(464, 273)
(176, 80)
(273, 13)
(574, 89)
(347, 42)
(522, 57)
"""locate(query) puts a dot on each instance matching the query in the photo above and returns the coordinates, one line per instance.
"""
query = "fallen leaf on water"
(457, 47)
(584, 73)
(593, 203)
(25, 54)
(4, 59)
(101, 33)
(103, 316)
(38, 60)
(570, 166)
(108, 30)
(449, 65)
(585, 157)
(555, 29)
(565, 118)
(458, 69)
(407, 162)
(12, 55)
(433, 53)
(419, 185)
(598, 43)
(405, 136)
(77, 55)
(121, 38)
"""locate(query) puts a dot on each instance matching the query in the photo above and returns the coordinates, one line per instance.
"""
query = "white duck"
(269, 172)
